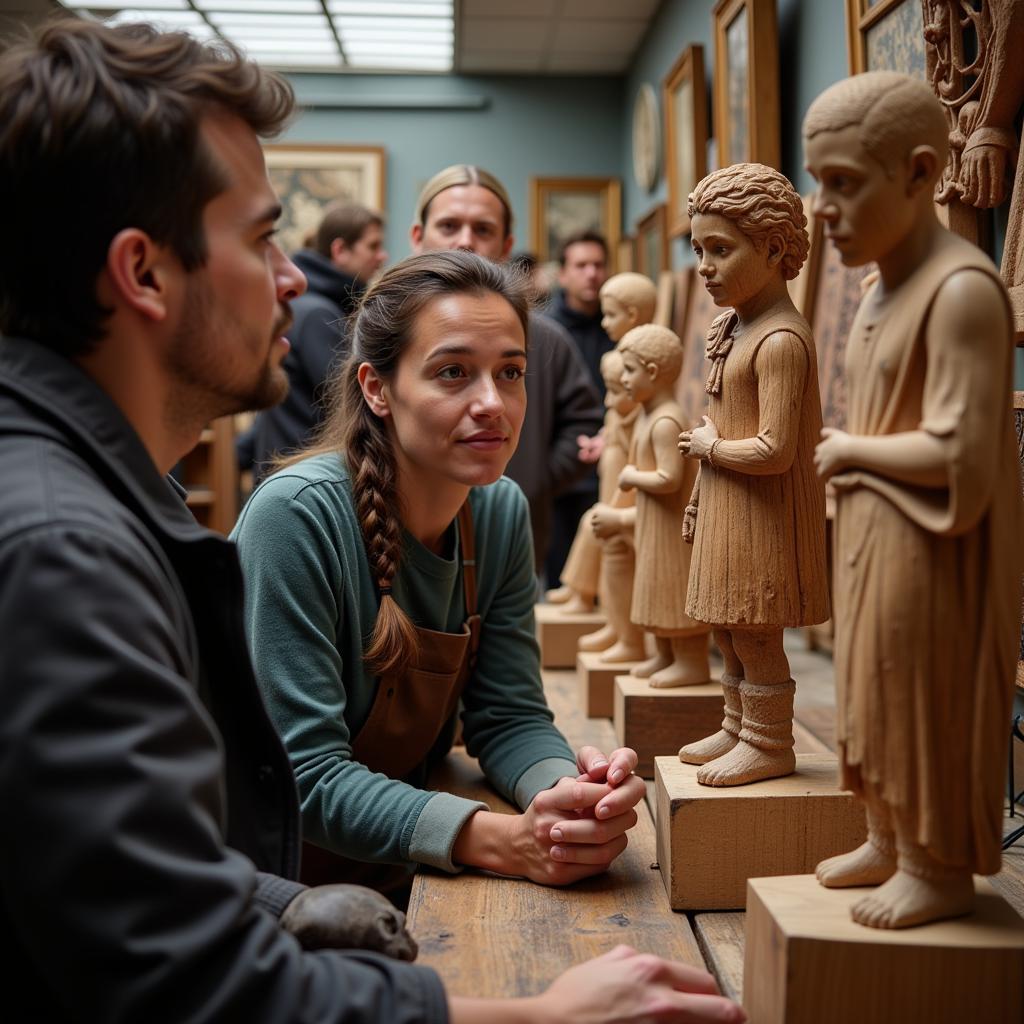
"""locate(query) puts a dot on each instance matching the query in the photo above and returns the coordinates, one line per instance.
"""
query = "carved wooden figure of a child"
(757, 515)
(652, 359)
(627, 300)
(928, 518)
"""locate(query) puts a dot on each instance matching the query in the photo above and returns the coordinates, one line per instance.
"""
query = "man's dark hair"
(346, 221)
(582, 236)
(99, 131)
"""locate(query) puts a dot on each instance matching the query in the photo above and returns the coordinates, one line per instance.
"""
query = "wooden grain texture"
(803, 953)
(712, 839)
(720, 937)
(597, 683)
(657, 722)
(558, 633)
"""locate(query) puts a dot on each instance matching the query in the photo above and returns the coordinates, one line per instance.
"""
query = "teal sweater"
(310, 602)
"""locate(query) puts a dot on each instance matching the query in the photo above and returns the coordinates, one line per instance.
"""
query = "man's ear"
(139, 273)
(922, 169)
(374, 390)
(339, 250)
(416, 238)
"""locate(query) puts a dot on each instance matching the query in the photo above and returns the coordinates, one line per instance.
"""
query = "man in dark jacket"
(348, 250)
(583, 268)
(142, 786)
(466, 207)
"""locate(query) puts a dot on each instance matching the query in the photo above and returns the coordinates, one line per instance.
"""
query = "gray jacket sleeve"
(116, 883)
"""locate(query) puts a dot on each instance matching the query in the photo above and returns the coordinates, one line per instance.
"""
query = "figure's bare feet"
(681, 673)
(558, 595)
(708, 748)
(579, 604)
(867, 865)
(746, 763)
(647, 668)
(907, 900)
(623, 651)
(599, 640)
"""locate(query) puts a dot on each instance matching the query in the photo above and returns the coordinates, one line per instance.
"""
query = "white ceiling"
(490, 36)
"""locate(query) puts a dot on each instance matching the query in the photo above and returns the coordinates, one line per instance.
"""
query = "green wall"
(529, 126)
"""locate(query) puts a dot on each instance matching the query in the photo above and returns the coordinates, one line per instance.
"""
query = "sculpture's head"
(748, 230)
(876, 144)
(652, 357)
(616, 397)
(627, 301)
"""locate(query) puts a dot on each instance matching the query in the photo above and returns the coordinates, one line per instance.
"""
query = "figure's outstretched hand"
(689, 523)
(832, 453)
(627, 987)
(696, 443)
(346, 916)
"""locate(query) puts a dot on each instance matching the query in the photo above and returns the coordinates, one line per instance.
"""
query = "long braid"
(372, 465)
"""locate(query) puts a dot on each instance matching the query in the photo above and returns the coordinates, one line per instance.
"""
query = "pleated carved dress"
(927, 579)
(662, 559)
(759, 547)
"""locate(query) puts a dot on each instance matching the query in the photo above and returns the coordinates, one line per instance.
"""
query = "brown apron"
(408, 717)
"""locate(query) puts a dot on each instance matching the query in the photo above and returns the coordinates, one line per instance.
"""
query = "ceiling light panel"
(406, 35)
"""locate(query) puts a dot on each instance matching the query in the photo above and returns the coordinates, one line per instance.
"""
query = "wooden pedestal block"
(806, 961)
(559, 632)
(658, 722)
(597, 683)
(711, 839)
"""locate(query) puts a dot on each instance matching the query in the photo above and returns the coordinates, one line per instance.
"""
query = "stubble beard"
(201, 388)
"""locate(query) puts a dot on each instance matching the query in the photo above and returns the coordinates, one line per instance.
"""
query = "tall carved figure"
(928, 517)
(652, 357)
(757, 515)
(627, 300)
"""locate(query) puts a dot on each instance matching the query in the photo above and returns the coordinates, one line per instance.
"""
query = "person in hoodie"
(347, 250)
(583, 268)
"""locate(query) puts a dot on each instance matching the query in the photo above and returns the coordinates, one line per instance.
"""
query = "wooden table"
(493, 936)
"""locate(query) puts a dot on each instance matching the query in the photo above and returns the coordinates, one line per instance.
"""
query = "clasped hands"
(832, 452)
(578, 827)
(571, 831)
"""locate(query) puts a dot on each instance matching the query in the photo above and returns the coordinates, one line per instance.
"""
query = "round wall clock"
(646, 138)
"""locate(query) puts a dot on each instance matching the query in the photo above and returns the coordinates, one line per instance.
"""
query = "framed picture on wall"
(885, 35)
(651, 248)
(624, 254)
(308, 178)
(560, 207)
(684, 100)
(746, 84)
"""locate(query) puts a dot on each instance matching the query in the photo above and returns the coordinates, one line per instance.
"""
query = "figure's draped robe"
(927, 579)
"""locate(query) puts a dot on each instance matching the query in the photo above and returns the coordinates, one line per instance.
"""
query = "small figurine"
(928, 517)
(757, 515)
(652, 358)
(627, 300)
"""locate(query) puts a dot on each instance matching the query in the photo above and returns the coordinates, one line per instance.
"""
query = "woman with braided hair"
(390, 578)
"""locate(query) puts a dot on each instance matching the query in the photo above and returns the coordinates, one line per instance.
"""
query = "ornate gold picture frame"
(685, 104)
(560, 207)
(746, 85)
(308, 178)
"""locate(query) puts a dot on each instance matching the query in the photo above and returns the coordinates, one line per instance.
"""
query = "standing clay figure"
(757, 515)
(627, 300)
(927, 557)
(652, 357)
